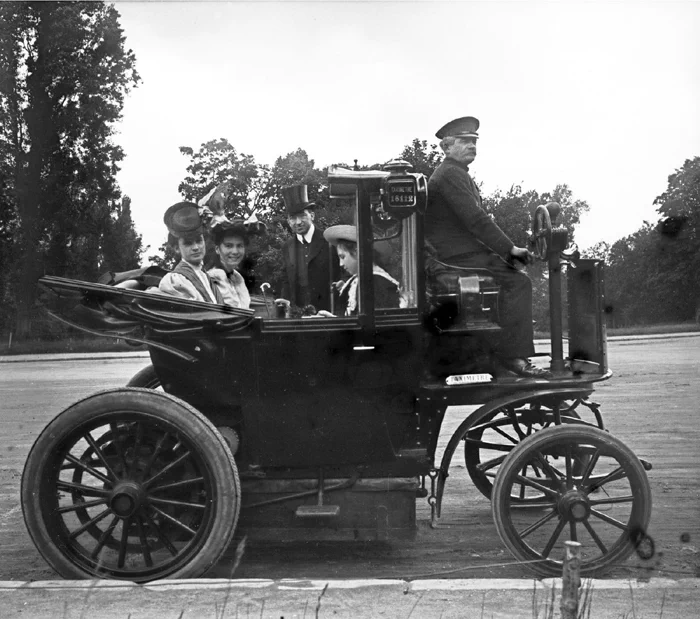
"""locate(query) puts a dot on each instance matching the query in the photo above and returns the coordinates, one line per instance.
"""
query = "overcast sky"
(603, 96)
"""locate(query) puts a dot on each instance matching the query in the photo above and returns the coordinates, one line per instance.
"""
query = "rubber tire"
(169, 412)
(558, 435)
(145, 378)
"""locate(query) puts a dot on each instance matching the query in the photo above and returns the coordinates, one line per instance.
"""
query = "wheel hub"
(126, 498)
(574, 505)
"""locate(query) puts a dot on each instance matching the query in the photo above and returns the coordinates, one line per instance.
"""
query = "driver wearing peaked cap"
(465, 127)
(462, 234)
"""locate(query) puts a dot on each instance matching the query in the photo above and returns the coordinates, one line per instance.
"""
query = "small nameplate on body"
(468, 379)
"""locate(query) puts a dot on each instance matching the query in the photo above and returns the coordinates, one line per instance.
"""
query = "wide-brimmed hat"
(182, 219)
(236, 227)
(344, 232)
(340, 233)
(296, 199)
(465, 127)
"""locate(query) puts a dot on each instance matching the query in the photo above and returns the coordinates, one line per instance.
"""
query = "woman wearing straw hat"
(386, 288)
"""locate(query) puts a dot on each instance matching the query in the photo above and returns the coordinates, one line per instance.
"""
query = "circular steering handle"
(542, 232)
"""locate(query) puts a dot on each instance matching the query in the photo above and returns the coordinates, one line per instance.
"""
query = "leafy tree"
(678, 246)
(122, 247)
(653, 275)
(217, 162)
(64, 73)
(424, 159)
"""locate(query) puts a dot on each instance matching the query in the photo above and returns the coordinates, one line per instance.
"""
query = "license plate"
(468, 379)
(402, 193)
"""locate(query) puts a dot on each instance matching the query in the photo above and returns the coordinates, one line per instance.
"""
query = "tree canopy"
(64, 75)
(653, 275)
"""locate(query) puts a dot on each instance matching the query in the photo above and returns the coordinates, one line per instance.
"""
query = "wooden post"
(570, 580)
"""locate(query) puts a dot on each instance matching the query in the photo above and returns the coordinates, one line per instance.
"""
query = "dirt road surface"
(652, 403)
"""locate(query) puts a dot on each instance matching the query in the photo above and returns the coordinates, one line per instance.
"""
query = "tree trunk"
(30, 184)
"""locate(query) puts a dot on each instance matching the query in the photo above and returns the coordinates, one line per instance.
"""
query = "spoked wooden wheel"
(130, 484)
(606, 506)
(487, 444)
(146, 378)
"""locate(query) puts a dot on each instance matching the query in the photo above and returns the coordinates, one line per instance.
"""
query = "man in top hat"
(188, 279)
(305, 254)
(462, 234)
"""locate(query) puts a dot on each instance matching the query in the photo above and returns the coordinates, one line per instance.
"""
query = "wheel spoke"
(76, 506)
(489, 446)
(98, 452)
(590, 465)
(505, 435)
(609, 519)
(156, 452)
(537, 486)
(137, 445)
(569, 467)
(547, 467)
(181, 484)
(522, 488)
(161, 536)
(515, 424)
(176, 503)
(81, 489)
(572, 531)
(88, 524)
(117, 445)
(124, 542)
(615, 475)
(174, 521)
(555, 536)
(489, 464)
(536, 525)
(175, 463)
(145, 550)
(595, 537)
(103, 538)
(612, 499)
(89, 469)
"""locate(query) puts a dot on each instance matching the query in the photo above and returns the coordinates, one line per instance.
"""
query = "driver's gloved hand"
(522, 255)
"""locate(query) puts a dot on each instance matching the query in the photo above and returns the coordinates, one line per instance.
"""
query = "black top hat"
(296, 199)
(182, 219)
(465, 127)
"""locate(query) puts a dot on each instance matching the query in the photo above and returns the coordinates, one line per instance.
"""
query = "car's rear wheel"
(131, 484)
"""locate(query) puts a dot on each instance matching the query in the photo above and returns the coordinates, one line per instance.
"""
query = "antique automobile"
(327, 427)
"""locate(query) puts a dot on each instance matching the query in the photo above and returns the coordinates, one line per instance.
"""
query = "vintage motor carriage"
(308, 428)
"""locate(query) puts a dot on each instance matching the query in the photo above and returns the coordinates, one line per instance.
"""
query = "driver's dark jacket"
(456, 223)
(463, 235)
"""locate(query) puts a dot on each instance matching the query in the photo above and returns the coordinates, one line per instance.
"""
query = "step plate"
(318, 511)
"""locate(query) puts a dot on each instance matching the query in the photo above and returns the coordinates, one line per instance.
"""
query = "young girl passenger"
(386, 288)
